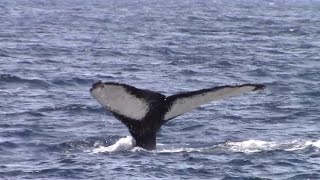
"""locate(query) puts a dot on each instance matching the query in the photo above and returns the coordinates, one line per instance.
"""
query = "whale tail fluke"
(145, 111)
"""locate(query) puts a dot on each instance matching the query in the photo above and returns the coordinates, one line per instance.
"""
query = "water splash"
(122, 144)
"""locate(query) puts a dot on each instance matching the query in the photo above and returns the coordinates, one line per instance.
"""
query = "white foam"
(122, 144)
(316, 143)
(248, 146)
(252, 145)
(298, 145)
(178, 150)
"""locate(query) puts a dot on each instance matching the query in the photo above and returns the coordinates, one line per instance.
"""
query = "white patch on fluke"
(186, 104)
(118, 100)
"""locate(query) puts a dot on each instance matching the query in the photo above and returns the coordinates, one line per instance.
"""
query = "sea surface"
(51, 52)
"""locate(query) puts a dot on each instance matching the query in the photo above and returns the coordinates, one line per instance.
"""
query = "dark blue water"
(52, 51)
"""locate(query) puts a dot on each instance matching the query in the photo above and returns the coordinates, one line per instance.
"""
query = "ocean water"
(51, 52)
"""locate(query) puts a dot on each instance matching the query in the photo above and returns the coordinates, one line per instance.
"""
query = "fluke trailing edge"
(145, 111)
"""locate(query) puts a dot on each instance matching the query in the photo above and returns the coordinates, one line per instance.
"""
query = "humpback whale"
(145, 111)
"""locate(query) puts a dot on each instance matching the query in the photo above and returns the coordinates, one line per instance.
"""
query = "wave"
(8, 78)
(4, 53)
(8, 144)
(78, 145)
(248, 146)
(72, 81)
(188, 72)
(73, 108)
